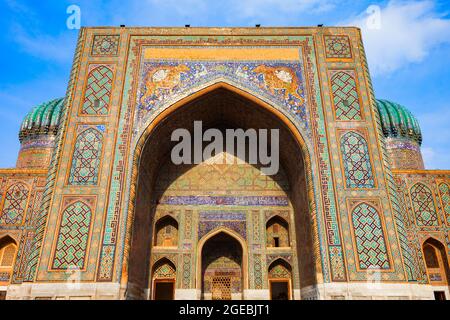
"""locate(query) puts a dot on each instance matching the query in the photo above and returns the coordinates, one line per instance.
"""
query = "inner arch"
(223, 109)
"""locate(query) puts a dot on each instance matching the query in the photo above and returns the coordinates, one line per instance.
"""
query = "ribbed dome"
(43, 119)
(397, 121)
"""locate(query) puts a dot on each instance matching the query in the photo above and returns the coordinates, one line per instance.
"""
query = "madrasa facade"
(96, 209)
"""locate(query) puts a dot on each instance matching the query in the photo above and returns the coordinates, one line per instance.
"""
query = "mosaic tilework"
(226, 200)
(279, 271)
(423, 204)
(98, 91)
(337, 47)
(186, 283)
(107, 258)
(397, 205)
(162, 81)
(416, 233)
(345, 96)
(15, 203)
(105, 45)
(444, 192)
(204, 178)
(257, 271)
(86, 157)
(188, 224)
(256, 227)
(158, 258)
(369, 237)
(286, 256)
(211, 220)
(5, 276)
(164, 271)
(355, 156)
(33, 213)
(72, 242)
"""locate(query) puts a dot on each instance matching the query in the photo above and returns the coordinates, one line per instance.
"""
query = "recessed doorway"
(279, 290)
(164, 289)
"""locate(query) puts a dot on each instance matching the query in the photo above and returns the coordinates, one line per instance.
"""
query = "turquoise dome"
(42, 119)
(398, 122)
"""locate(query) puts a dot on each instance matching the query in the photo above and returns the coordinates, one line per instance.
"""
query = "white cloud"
(428, 155)
(409, 31)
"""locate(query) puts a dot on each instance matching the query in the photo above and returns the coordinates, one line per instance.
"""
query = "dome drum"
(37, 135)
(402, 134)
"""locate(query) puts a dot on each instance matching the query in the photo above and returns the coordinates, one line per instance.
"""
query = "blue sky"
(409, 51)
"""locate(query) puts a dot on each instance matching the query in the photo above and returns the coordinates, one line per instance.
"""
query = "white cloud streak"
(409, 31)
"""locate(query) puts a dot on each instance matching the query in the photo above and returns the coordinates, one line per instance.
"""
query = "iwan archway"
(204, 198)
(222, 265)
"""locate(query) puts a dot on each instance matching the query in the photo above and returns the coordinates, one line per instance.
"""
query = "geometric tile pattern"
(355, 154)
(105, 45)
(15, 204)
(337, 47)
(369, 237)
(279, 271)
(165, 271)
(86, 158)
(423, 204)
(73, 236)
(98, 91)
(444, 191)
(345, 97)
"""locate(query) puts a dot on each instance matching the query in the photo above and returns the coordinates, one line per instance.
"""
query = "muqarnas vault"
(95, 209)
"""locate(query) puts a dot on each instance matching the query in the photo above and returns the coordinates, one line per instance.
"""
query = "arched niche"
(221, 265)
(221, 106)
(163, 280)
(277, 233)
(280, 280)
(166, 232)
(436, 262)
(8, 252)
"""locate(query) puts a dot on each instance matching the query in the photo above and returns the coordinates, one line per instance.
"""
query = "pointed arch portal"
(202, 205)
